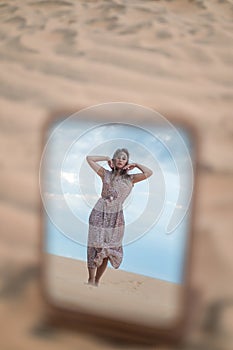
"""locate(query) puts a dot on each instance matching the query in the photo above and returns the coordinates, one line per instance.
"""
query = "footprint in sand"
(135, 284)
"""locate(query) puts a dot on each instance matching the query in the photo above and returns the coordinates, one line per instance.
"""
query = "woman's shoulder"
(107, 173)
(129, 178)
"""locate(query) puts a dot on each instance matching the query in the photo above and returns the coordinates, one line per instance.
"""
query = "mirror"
(116, 242)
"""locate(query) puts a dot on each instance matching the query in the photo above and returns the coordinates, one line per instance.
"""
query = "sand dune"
(173, 56)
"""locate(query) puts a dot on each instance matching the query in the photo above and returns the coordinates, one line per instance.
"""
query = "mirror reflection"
(117, 218)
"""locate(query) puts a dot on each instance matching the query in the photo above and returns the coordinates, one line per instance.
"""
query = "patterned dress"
(106, 222)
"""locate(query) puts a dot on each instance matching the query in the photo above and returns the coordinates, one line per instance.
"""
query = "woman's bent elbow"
(149, 173)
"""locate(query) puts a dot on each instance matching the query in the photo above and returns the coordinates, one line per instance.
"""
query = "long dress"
(106, 222)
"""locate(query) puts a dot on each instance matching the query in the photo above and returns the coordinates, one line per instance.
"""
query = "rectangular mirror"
(117, 186)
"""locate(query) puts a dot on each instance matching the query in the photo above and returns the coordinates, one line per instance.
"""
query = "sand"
(173, 56)
(121, 295)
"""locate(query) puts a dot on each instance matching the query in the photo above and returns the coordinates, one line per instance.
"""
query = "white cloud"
(69, 177)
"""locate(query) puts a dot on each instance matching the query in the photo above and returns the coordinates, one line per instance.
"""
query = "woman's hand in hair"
(146, 172)
(110, 163)
(130, 166)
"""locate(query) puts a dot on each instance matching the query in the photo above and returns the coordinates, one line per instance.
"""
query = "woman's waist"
(109, 202)
(109, 197)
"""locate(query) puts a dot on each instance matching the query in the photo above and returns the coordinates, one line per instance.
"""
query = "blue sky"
(71, 189)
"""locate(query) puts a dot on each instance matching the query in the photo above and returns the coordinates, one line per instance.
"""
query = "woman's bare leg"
(91, 279)
(100, 271)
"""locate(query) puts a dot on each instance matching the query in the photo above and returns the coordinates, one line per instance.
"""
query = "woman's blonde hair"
(120, 150)
(123, 173)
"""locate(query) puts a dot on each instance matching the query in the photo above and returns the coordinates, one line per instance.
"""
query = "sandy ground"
(122, 295)
(173, 56)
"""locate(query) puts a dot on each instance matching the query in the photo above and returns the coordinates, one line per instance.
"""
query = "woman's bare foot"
(100, 270)
(91, 279)
(96, 283)
(92, 283)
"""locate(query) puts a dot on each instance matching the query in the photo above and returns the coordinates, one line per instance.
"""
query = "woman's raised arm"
(146, 172)
(92, 161)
